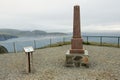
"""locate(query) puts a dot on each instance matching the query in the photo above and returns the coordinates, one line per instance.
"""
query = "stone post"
(76, 42)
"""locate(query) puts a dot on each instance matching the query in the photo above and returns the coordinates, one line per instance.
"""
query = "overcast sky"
(57, 15)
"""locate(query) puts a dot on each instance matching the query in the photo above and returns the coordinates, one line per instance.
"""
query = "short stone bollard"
(29, 52)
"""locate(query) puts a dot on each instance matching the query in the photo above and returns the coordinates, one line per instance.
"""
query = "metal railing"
(17, 46)
(103, 40)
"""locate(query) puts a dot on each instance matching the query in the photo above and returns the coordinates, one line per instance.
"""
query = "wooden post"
(29, 67)
(29, 51)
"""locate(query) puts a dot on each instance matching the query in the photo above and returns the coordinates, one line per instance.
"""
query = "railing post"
(63, 40)
(15, 51)
(50, 42)
(34, 44)
(87, 39)
(118, 41)
(101, 40)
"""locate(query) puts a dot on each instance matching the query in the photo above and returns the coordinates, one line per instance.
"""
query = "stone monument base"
(78, 51)
(76, 59)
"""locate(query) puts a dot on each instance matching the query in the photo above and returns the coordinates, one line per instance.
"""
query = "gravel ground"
(49, 64)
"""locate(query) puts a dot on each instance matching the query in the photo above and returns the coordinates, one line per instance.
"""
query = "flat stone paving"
(49, 64)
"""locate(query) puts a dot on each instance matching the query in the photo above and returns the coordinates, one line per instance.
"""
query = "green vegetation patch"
(85, 43)
(101, 44)
(57, 44)
(3, 50)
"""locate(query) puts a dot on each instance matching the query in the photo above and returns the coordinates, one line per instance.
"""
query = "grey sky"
(57, 15)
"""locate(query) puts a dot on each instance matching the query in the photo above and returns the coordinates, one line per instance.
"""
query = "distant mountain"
(20, 33)
(56, 33)
(9, 31)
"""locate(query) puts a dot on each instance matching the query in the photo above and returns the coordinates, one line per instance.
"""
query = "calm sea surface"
(37, 42)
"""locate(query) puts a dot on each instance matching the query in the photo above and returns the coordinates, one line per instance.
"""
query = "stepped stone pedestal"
(76, 53)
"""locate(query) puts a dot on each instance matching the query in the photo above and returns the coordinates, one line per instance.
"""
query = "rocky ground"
(49, 64)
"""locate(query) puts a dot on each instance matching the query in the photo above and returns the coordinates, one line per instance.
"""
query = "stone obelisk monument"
(75, 56)
(76, 42)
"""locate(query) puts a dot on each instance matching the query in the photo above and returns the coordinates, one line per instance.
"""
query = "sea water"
(17, 44)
